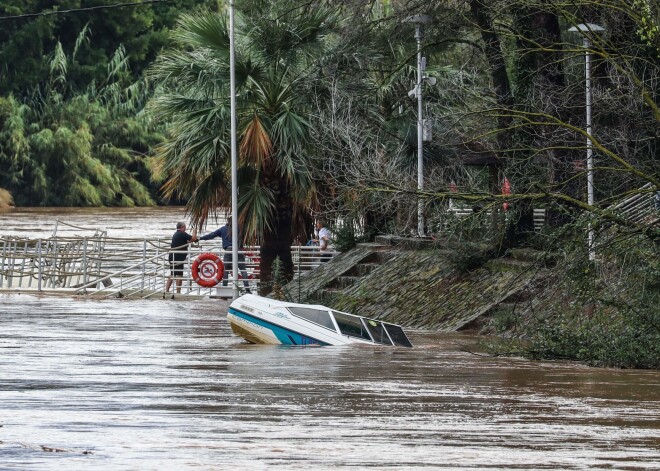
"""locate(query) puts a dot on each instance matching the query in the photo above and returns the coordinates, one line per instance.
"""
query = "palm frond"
(208, 196)
(118, 64)
(256, 206)
(203, 30)
(256, 146)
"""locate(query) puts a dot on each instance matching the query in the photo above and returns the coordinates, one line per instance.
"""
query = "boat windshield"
(398, 336)
(316, 316)
(377, 330)
(351, 325)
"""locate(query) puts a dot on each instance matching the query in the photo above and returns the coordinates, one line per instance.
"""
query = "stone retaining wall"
(418, 287)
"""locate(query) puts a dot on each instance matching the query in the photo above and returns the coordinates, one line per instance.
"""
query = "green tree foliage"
(62, 147)
(510, 98)
(141, 29)
(606, 315)
(510, 95)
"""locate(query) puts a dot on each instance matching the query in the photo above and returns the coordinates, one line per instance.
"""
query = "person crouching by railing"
(178, 255)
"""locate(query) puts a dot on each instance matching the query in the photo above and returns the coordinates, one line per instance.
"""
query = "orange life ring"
(207, 270)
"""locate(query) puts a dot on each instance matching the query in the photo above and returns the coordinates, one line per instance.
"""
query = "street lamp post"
(419, 21)
(234, 160)
(585, 29)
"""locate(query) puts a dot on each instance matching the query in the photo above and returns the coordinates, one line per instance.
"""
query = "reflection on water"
(164, 385)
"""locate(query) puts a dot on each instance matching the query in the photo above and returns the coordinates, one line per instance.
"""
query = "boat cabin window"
(314, 315)
(352, 326)
(398, 336)
(377, 330)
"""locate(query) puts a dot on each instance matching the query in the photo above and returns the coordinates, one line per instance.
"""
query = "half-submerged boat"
(268, 321)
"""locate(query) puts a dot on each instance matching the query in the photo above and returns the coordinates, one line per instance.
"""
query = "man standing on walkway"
(178, 255)
(225, 234)
(324, 241)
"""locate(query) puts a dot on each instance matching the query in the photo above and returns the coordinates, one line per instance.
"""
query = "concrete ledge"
(409, 243)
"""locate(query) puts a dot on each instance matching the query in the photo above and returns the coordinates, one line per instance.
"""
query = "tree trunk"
(501, 86)
(494, 56)
(540, 79)
(277, 241)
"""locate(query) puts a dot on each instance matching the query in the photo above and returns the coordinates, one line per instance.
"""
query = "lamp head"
(419, 19)
(586, 28)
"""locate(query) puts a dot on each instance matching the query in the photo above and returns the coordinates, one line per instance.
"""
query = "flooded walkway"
(164, 385)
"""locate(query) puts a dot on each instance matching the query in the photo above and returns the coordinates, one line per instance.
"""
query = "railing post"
(299, 272)
(2, 265)
(144, 262)
(85, 264)
(11, 261)
(24, 270)
(158, 270)
(40, 265)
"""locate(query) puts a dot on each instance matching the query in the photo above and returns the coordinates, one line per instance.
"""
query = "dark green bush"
(604, 314)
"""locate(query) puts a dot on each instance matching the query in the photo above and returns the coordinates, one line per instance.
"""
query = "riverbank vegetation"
(603, 314)
(72, 93)
(131, 107)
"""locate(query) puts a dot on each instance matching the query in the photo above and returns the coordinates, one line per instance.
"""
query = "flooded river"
(164, 385)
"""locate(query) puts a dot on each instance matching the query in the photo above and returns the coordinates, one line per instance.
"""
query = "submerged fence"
(102, 265)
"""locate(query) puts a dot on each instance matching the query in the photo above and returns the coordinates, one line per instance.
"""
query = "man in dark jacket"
(178, 255)
(225, 234)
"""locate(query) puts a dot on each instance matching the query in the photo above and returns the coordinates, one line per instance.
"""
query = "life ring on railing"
(207, 270)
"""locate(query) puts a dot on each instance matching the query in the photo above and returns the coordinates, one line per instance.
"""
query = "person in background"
(324, 240)
(178, 255)
(225, 234)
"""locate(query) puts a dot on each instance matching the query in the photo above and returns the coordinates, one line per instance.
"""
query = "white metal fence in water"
(107, 266)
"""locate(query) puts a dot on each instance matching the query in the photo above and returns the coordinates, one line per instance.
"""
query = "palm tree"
(273, 60)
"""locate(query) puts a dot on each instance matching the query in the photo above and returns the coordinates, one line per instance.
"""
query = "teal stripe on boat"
(285, 336)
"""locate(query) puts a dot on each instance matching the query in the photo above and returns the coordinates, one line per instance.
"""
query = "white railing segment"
(107, 266)
(640, 207)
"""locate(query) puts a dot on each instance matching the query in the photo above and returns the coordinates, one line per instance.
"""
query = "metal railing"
(107, 266)
(639, 208)
(461, 212)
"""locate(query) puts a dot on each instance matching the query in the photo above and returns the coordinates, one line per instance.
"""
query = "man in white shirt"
(325, 241)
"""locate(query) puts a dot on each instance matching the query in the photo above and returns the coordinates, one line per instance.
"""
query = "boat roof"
(274, 304)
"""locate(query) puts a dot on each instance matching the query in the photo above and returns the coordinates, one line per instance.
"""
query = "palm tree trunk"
(277, 241)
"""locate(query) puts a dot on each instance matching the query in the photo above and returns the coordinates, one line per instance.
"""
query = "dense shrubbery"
(604, 314)
(71, 94)
(620, 337)
(345, 236)
(64, 147)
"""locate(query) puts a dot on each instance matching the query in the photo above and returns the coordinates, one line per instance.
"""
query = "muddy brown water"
(164, 385)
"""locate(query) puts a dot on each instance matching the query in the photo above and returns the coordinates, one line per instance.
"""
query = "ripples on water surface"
(164, 385)
(118, 222)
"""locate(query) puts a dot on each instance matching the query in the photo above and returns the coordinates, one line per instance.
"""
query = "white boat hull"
(267, 321)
